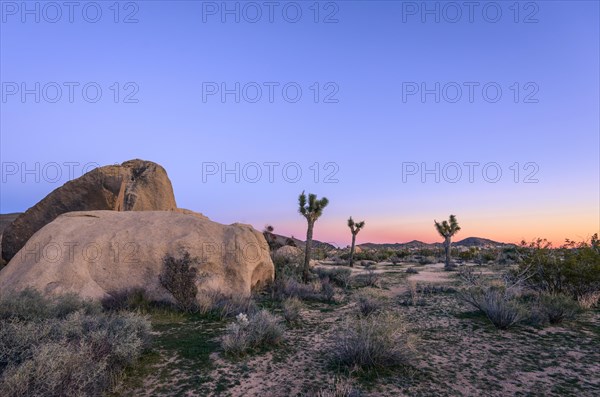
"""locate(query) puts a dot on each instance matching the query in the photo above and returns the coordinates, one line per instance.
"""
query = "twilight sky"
(398, 113)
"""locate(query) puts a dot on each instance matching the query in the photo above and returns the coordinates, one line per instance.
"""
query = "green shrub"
(179, 278)
(427, 260)
(259, 330)
(572, 269)
(557, 308)
(373, 342)
(29, 304)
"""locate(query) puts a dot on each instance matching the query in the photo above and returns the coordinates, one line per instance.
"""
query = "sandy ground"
(459, 353)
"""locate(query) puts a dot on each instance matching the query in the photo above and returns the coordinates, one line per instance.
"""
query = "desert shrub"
(286, 269)
(412, 270)
(221, 306)
(572, 269)
(431, 289)
(498, 303)
(130, 299)
(179, 278)
(368, 304)
(327, 290)
(365, 255)
(368, 279)
(259, 330)
(427, 260)
(367, 264)
(30, 304)
(291, 309)
(292, 288)
(556, 308)
(376, 341)
(339, 261)
(341, 277)
(588, 300)
(340, 387)
(57, 354)
(383, 255)
(414, 296)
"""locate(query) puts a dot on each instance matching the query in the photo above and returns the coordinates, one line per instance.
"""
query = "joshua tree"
(311, 212)
(447, 229)
(354, 229)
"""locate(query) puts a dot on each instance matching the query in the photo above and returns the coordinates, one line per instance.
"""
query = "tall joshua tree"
(311, 211)
(447, 229)
(354, 229)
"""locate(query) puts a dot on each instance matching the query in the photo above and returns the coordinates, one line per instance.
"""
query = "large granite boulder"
(97, 253)
(135, 185)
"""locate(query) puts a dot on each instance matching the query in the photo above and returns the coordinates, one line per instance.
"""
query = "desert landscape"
(324, 198)
(155, 300)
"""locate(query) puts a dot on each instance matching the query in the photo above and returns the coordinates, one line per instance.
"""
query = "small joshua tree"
(354, 229)
(447, 229)
(270, 237)
(311, 211)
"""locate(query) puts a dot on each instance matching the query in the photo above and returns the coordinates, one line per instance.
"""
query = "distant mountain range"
(300, 244)
(467, 242)
(6, 219)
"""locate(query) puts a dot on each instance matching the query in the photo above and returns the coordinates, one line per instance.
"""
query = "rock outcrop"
(289, 254)
(97, 253)
(135, 185)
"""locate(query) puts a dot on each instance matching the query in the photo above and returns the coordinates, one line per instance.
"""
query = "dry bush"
(376, 341)
(327, 290)
(47, 352)
(499, 300)
(291, 309)
(317, 290)
(589, 300)
(221, 306)
(340, 387)
(341, 277)
(368, 304)
(413, 297)
(368, 279)
(179, 278)
(412, 270)
(498, 303)
(259, 330)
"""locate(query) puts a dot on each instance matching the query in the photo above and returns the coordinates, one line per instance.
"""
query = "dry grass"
(373, 342)
(64, 346)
